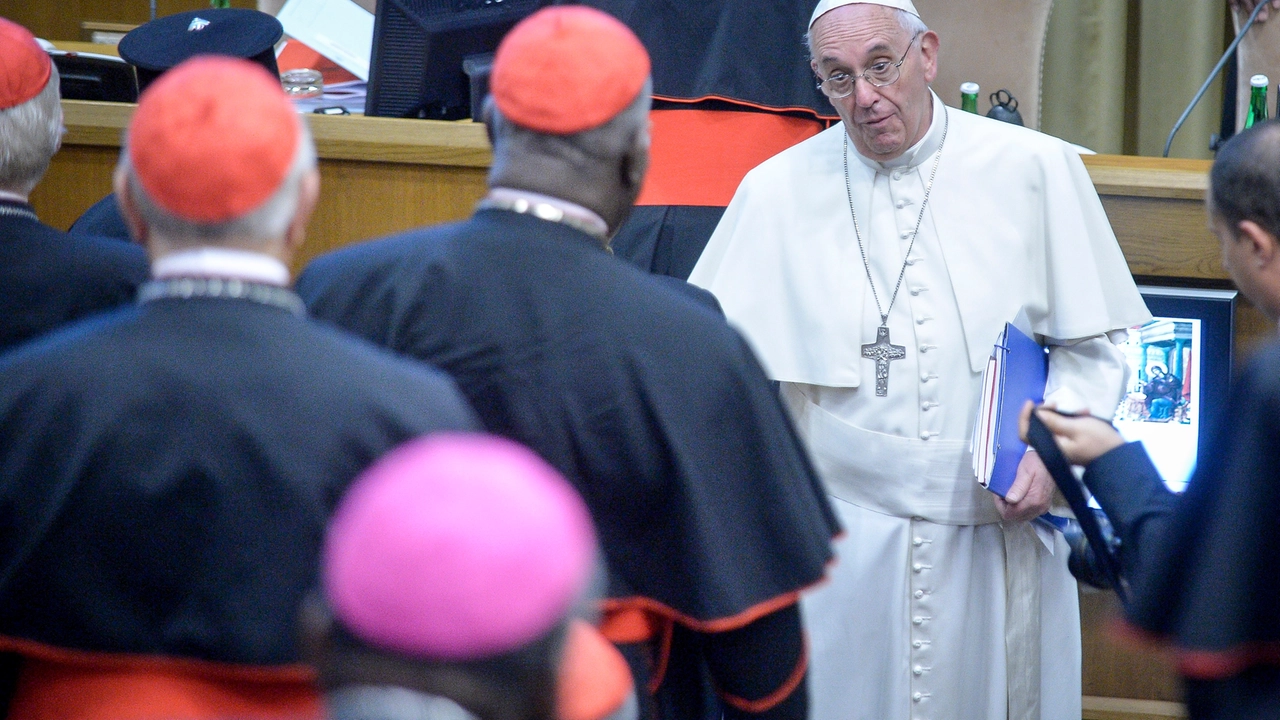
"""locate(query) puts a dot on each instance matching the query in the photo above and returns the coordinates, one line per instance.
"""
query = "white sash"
(905, 477)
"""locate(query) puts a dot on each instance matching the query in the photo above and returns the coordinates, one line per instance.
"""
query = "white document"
(338, 29)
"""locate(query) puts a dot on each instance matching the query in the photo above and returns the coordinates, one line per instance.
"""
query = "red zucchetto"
(24, 65)
(567, 69)
(213, 138)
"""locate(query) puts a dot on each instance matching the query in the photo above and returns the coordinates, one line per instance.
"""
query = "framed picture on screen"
(1179, 374)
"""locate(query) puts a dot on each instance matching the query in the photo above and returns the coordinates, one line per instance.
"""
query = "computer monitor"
(419, 47)
(89, 76)
(1179, 374)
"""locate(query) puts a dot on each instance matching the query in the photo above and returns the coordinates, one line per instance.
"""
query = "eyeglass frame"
(853, 79)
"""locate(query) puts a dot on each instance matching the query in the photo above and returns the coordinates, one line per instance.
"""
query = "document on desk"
(338, 29)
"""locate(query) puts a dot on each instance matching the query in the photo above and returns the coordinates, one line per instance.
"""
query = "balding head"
(1245, 180)
(1244, 213)
(568, 115)
(602, 168)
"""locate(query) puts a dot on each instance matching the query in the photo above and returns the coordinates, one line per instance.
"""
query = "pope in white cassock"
(926, 228)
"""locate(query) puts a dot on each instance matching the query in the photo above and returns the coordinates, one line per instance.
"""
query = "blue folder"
(1024, 370)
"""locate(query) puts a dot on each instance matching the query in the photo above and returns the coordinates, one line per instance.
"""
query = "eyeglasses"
(880, 74)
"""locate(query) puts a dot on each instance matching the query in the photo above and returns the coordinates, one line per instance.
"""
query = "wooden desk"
(381, 176)
(378, 175)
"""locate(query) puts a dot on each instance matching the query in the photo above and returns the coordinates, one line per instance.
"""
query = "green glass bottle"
(220, 3)
(969, 97)
(1257, 100)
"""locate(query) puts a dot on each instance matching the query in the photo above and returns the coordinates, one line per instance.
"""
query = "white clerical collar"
(917, 153)
(216, 262)
(592, 223)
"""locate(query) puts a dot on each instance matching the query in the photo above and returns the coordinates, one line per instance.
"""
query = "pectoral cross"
(882, 351)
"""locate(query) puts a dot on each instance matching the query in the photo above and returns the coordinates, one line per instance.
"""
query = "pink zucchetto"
(25, 67)
(457, 547)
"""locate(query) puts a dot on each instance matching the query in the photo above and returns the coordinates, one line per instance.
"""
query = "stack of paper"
(1015, 373)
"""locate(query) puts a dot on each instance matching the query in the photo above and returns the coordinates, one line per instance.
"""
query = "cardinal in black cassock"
(167, 470)
(710, 516)
(47, 277)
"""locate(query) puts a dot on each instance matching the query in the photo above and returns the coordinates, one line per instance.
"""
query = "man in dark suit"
(47, 276)
(711, 517)
(167, 470)
(1202, 566)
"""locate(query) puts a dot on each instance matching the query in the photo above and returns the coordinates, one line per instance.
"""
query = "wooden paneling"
(360, 200)
(1165, 237)
(78, 177)
(1112, 668)
(1113, 708)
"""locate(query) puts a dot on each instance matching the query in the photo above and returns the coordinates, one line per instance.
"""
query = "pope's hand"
(1082, 439)
(1247, 6)
(1031, 492)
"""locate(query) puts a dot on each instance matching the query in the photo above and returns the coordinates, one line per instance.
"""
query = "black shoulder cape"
(49, 278)
(167, 472)
(706, 504)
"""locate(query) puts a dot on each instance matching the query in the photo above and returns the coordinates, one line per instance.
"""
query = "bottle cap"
(969, 88)
(1259, 81)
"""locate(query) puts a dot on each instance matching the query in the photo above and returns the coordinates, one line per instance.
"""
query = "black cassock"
(49, 278)
(102, 219)
(1205, 567)
(739, 56)
(705, 501)
(167, 471)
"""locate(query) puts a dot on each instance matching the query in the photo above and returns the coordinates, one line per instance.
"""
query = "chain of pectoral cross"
(883, 351)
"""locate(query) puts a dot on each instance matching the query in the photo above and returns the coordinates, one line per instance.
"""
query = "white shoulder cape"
(1017, 216)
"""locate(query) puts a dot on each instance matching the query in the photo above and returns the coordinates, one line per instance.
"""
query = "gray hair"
(912, 25)
(609, 140)
(266, 223)
(30, 133)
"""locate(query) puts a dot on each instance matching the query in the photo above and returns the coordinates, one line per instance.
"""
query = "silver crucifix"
(882, 351)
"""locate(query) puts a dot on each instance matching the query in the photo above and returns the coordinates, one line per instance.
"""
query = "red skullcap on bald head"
(213, 139)
(567, 69)
(24, 66)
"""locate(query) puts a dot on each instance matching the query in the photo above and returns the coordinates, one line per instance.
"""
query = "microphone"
(1212, 74)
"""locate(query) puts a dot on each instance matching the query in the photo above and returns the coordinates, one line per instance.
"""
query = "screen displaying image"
(1161, 406)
